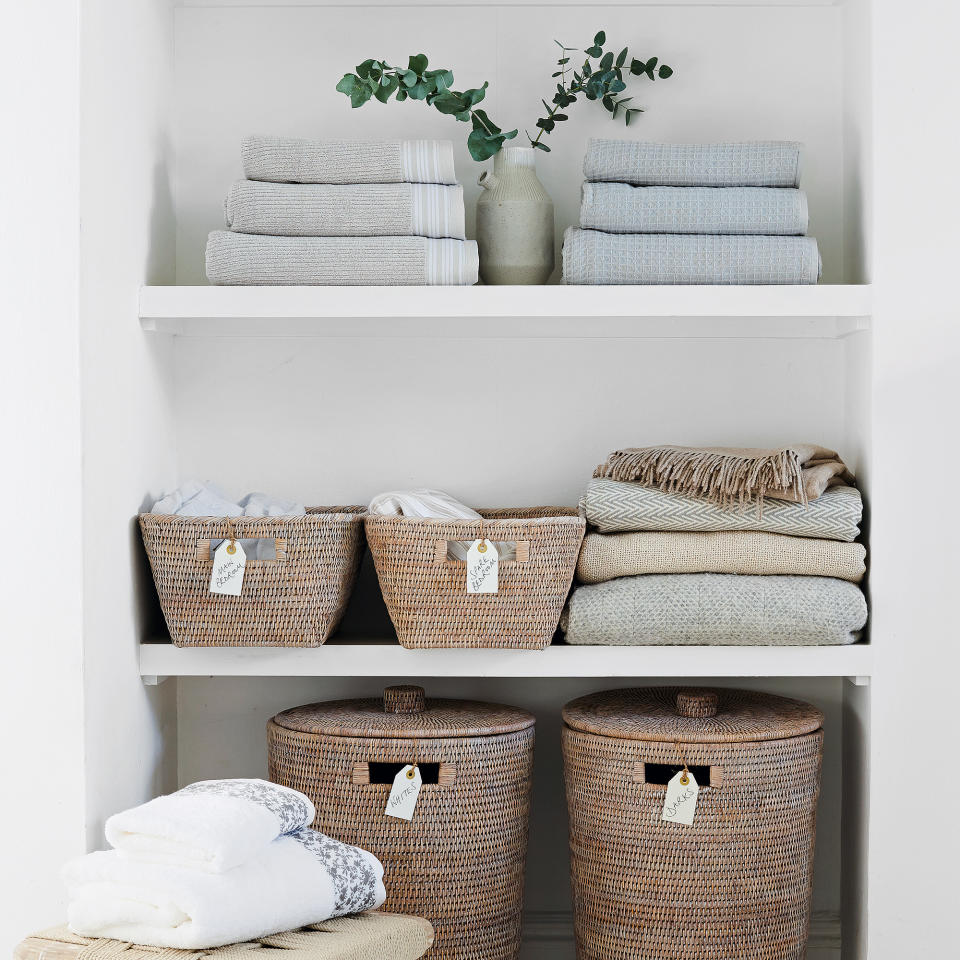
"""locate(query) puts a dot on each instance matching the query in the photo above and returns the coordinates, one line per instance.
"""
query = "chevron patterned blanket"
(716, 609)
(617, 506)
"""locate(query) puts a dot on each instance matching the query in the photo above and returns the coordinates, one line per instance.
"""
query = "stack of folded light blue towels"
(344, 212)
(727, 213)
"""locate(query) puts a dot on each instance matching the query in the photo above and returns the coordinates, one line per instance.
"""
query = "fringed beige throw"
(730, 475)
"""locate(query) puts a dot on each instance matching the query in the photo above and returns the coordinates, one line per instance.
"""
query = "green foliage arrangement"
(600, 78)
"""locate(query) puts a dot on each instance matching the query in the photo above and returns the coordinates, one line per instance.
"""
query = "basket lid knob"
(404, 698)
(697, 703)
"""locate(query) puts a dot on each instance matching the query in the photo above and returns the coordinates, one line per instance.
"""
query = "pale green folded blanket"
(716, 609)
(620, 506)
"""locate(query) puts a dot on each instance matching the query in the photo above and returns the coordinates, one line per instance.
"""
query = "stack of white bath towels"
(712, 213)
(221, 861)
(344, 212)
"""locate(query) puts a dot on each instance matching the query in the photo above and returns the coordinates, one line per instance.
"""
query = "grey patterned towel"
(346, 210)
(291, 160)
(241, 258)
(590, 256)
(617, 506)
(622, 208)
(762, 164)
(716, 609)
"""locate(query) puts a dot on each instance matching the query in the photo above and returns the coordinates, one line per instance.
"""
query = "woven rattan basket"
(296, 600)
(426, 594)
(735, 884)
(460, 861)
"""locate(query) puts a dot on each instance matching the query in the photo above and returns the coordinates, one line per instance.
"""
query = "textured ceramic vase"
(514, 221)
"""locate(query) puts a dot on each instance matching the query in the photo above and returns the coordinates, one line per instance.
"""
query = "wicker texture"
(426, 593)
(736, 884)
(295, 600)
(460, 861)
(365, 936)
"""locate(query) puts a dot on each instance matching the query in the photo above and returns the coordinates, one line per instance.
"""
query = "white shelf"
(553, 312)
(159, 660)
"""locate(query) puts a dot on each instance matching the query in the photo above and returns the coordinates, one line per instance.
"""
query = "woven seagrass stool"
(734, 885)
(366, 936)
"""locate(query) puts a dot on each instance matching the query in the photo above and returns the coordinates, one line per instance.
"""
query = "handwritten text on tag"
(681, 800)
(229, 562)
(483, 563)
(404, 793)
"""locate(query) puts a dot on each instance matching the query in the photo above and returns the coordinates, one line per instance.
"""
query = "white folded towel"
(437, 505)
(213, 825)
(301, 878)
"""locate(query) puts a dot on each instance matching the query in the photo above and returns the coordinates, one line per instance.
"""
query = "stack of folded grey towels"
(714, 545)
(727, 213)
(344, 212)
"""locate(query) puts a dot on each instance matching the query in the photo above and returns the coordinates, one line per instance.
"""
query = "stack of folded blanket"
(221, 861)
(344, 212)
(727, 213)
(720, 546)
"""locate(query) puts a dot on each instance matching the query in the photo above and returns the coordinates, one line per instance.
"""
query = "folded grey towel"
(290, 160)
(242, 258)
(716, 608)
(616, 506)
(623, 208)
(346, 210)
(763, 164)
(590, 256)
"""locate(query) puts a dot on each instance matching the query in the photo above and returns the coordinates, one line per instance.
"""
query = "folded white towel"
(213, 825)
(436, 505)
(301, 878)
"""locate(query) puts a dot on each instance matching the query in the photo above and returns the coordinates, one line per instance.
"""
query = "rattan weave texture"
(295, 600)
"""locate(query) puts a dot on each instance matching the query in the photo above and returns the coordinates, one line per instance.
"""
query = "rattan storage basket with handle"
(460, 861)
(294, 600)
(736, 884)
(426, 593)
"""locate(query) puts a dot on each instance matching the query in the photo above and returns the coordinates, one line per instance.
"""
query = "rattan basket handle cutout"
(697, 704)
(441, 554)
(404, 698)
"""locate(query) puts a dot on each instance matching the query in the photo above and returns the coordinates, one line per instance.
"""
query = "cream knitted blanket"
(713, 608)
(607, 556)
(614, 506)
(346, 210)
(292, 160)
(241, 258)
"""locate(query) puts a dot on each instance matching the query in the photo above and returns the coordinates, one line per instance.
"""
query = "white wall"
(127, 240)
(41, 696)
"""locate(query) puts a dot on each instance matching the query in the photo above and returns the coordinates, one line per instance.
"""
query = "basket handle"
(280, 546)
(440, 548)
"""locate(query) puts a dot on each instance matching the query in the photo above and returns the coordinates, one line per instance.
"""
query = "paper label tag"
(483, 564)
(404, 793)
(681, 800)
(229, 562)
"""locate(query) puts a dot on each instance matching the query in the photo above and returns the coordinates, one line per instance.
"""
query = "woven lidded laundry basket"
(295, 600)
(735, 884)
(460, 861)
(426, 592)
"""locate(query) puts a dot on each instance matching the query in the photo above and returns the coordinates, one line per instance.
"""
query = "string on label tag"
(680, 803)
(483, 567)
(229, 563)
(404, 793)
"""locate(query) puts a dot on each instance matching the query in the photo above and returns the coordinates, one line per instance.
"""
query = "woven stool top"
(404, 712)
(365, 936)
(685, 715)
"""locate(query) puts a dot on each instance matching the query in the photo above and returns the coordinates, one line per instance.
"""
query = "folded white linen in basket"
(295, 160)
(194, 499)
(246, 259)
(212, 825)
(300, 878)
(436, 505)
(346, 210)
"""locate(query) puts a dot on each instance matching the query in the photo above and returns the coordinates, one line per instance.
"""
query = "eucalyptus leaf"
(418, 63)
(600, 39)
(593, 51)
(622, 57)
(360, 94)
(346, 84)
(665, 72)
(386, 88)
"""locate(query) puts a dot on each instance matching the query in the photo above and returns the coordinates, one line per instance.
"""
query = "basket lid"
(691, 715)
(405, 712)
